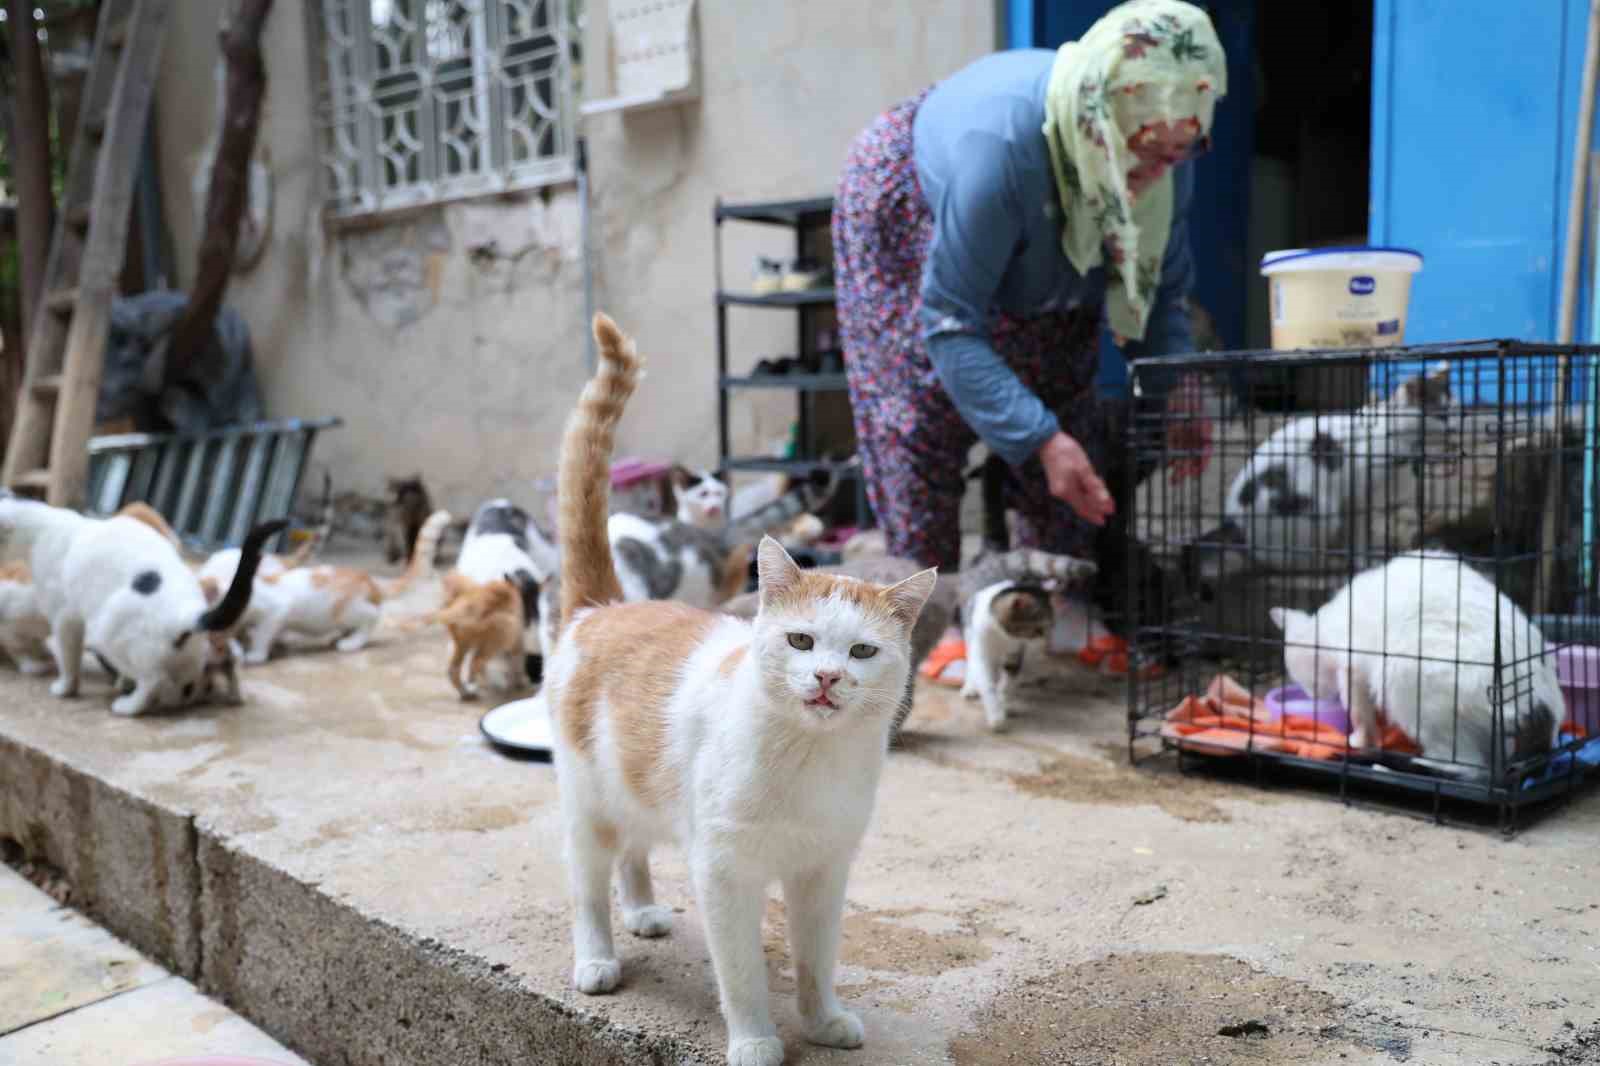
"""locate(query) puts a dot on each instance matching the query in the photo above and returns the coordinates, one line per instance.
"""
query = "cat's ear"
(776, 571)
(906, 598)
(680, 476)
(1282, 616)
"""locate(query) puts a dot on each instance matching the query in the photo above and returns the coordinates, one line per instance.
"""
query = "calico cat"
(337, 604)
(1416, 639)
(1006, 606)
(24, 630)
(406, 507)
(486, 623)
(503, 543)
(757, 746)
(119, 589)
(1310, 486)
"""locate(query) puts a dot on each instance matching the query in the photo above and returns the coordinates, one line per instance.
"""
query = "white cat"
(24, 630)
(337, 604)
(119, 589)
(702, 497)
(503, 543)
(1415, 638)
(1315, 484)
(757, 746)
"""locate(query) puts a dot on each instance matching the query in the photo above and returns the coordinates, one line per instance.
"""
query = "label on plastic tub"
(1339, 308)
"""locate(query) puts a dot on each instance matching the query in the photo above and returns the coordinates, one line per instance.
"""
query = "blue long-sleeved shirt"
(985, 169)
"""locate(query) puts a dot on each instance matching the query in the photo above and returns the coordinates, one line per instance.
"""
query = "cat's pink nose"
(825, 678)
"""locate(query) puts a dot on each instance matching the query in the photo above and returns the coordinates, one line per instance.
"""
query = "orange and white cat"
(756, 745)
(339, 604)
(486, 622)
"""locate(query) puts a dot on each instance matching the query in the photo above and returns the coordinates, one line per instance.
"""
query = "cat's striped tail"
(421, 564)
(588, 576)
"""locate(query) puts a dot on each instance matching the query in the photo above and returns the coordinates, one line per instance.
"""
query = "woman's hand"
(1072, 479)
(1189, 430)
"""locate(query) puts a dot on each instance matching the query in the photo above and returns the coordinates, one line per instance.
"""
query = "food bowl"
(1292, 699)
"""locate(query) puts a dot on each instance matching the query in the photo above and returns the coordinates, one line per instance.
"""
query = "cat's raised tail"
(588, 576)
(421, 564)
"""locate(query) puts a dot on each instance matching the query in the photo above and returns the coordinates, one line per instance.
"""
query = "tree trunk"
(246, 84)
(30, 156)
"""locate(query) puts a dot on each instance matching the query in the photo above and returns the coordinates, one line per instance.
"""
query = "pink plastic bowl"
(1578, 671)
(1292, 699)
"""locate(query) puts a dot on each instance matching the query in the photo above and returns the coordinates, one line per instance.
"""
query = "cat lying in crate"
(1416, 639)
(1310, 486)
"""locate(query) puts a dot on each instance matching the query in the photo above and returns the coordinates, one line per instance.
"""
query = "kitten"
(702, 498)
(24, 629)
(1007, 605)
(118, 589)
(756, 745)
(1415, 638)
(1311, 485)
(406, 507)
(337, 604)
(486, 623)
(502, 540)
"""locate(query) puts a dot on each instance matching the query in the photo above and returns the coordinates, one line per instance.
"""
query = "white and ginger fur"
(702, 497)
(1315, 485)
(119, 589)
(757, 746)
(1415, 639)
(322, 604)
(24, 630)
(502, 544)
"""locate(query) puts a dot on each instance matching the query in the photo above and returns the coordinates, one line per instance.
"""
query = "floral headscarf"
(1146, 62)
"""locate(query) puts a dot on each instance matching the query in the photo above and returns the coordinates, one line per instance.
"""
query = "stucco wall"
(462, 366)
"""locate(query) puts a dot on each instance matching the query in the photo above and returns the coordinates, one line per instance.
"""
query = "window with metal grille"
(429, 100)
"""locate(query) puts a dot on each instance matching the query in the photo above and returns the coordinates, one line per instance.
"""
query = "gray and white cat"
(702, 497)
(1311, 486)
(675, 559)
(1416, 639)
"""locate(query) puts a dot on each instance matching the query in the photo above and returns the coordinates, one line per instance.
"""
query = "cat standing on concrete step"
(1415, 638)
(486, 623)
(1313, 484)
(503, 543)
(757, 746)
(341, 605)
(117, 588)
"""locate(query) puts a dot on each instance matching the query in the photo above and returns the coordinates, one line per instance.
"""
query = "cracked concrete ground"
(345, 863)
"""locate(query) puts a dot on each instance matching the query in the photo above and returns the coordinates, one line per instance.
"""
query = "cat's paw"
(63, 688)
(255, 658)
(761, 1051)
(596, 977)
(654, 920)
(354, 642)
(996, 721)
(839, 1029)
(129, 705)
(33, 667)
(969, 691)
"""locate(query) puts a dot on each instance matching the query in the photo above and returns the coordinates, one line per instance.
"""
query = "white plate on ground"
(519, 729)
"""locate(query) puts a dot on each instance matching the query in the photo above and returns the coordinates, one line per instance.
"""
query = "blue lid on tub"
(1285, 255)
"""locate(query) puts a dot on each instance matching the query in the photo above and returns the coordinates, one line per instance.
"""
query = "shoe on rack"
(806, 273)
(768, 277)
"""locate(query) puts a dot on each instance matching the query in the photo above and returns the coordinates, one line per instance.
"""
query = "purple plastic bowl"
(1578, 671)
(1292, 699)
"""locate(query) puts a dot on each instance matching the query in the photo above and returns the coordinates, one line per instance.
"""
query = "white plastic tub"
(1339, 297)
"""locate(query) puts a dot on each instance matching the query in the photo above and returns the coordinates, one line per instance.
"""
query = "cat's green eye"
(862, 651)
(800, 642)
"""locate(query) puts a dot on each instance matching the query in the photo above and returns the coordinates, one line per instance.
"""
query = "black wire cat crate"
(1386, 577)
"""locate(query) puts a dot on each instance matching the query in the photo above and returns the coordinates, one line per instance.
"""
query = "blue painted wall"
(1474, 110)
(1474, 113)
(1219, 223)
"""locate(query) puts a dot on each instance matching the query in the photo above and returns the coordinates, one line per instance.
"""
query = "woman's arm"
(976, 228)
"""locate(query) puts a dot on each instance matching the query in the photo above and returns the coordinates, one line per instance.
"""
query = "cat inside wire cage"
(1387, 572)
